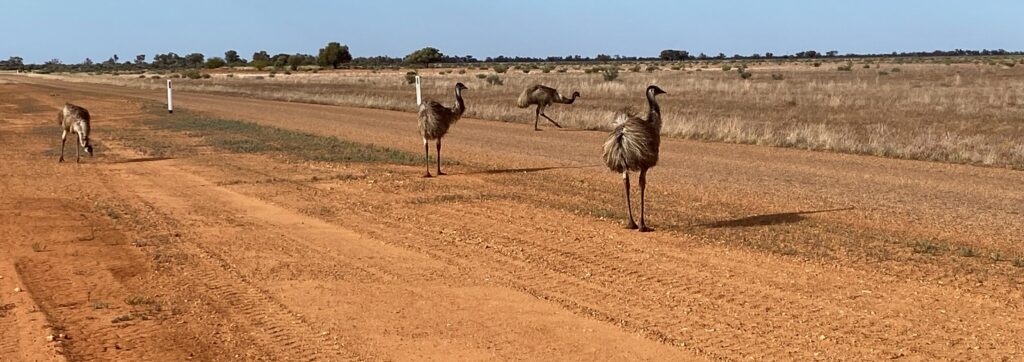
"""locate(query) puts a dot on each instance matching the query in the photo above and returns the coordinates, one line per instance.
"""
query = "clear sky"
(73, 30)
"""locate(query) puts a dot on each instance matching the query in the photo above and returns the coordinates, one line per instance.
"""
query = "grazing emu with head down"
(633, 146)
(434, 120)
(75, 119)
(543, 97)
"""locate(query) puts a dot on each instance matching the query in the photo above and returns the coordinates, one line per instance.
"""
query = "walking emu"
(633, 146)
(543, 97)
(75, 119)
(434, 120)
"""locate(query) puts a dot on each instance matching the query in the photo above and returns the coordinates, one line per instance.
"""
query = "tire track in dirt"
(269, 218)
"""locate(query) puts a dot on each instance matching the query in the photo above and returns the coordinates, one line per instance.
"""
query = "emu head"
(654, 90)
(86, 145)
(460, 86)
(575, 94)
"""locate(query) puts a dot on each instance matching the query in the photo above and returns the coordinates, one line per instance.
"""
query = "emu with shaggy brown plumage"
(543, 97)
(434, 121)
(633, 146)
(75, 119)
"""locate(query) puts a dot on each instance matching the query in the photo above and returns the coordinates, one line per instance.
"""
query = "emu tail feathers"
(524, 98)
(614, 152)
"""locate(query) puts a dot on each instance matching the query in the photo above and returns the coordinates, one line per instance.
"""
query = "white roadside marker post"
(170, 104)
(419, 95)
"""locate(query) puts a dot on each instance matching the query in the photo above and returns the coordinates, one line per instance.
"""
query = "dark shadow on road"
(526, 170)
(769, 219)
(143, 159)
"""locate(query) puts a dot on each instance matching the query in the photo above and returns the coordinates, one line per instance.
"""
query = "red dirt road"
(517, 254)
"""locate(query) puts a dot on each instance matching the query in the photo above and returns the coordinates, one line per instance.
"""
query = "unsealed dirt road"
(517, 254)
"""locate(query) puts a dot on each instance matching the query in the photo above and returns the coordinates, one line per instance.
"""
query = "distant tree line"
(335, 55)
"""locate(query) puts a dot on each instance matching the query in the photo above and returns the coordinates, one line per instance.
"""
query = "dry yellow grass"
(963, 113)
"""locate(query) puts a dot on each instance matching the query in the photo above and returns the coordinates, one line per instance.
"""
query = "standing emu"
(434, 120)
(633, 146)
(75, 119)
(543, 97)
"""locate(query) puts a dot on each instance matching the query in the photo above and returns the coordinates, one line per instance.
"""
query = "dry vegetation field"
(963, 111)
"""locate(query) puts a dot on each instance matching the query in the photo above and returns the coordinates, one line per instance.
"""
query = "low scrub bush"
(610, 73)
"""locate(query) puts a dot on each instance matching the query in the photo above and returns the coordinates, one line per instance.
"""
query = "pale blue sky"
(73, 30)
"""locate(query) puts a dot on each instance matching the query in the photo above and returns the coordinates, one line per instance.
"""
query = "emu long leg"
(536, 118)
(439, 173)
(643, 188)
(629, 206)
(426, 156)
(552, 121)
(78, 153)
(63, 139)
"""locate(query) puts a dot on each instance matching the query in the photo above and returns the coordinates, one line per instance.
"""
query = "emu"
(434, 121)
(75, 119)
(633, 146)
(543, 96)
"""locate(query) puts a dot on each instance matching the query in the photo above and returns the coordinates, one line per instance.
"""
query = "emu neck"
(654, 114)
(570, 100)
(460, 105)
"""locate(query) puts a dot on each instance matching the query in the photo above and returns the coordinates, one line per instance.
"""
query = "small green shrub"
(635, 68)
(462, 71)
(726, 68)
(500, 68)
(745, 75)
(562, 70)
(481, 76)
(207, 76)
(777, 76)
(845, 68)
(191, 74)
(610, 73)
(882, 72)
(651, 68)
(494, 79)
(895, 70)
(816, 64)
(410, 77)
(867, 66)
(967, 252)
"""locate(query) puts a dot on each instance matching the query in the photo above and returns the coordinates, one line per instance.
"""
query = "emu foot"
(427, 175)
(439, 173)
(630, 225)
(645, 229)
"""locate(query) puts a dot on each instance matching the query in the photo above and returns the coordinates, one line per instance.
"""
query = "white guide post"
(170, 104)
(419, 94)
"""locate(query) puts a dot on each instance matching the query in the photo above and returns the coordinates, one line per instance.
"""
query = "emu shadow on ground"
(527, 170)
(769, 219)
(142, 159)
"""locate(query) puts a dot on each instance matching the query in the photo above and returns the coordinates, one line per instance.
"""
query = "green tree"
(672, 54)
(295, 60)
(232, 57)
(215, 62)
(333, 55)
(261, 55)
(194, 60)
(424, 56)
